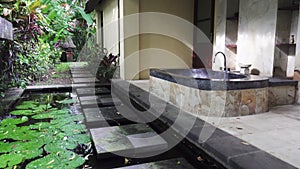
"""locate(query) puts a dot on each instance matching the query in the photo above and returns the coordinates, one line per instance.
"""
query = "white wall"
(220, 33)
(110, 26)
(256, 36)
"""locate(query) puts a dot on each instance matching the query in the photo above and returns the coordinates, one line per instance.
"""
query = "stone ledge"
(228, 150)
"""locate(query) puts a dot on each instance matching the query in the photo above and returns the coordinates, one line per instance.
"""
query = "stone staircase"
(114, 131)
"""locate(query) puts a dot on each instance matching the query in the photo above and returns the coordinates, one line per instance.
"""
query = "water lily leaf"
(60, 145)
(64, 159)
(30, 154)
(73, 129)
(11, 121)
(43, 116)
(27, 105)
(9, 160)
(22, 112)
(40, 125)
(4, 147)
(52, 114)
(66, 101)
(81, 138)
(42, 108)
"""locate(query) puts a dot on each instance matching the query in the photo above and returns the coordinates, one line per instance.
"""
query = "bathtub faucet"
(224, 59)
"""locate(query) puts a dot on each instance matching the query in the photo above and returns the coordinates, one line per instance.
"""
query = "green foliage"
(57, 137)
(40, 27)
(62, 67)
(64, 159)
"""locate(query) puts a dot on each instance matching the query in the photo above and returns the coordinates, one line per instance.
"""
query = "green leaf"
(10, 121)
(9, 160)
(85, 16)
(22, 112)
(66, 101)
(64, 159)
(52, 14)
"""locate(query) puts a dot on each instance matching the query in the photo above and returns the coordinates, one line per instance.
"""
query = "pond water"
(44, 131)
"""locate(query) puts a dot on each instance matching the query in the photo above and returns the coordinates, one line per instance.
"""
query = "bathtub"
(204, 92)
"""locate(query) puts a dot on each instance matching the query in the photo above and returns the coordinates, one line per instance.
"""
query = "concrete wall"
(129, 33)
(165, 51)
(110, 26)
(256, 34)
(220, 33)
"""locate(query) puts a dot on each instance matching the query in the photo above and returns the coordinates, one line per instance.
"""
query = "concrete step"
(86, 80)
(82, 75)
(128, 141)
(108, 116)
(178, 163)
(99, 101)
(92, 91)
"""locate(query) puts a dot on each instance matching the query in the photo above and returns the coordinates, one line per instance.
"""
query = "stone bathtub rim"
(250, 82)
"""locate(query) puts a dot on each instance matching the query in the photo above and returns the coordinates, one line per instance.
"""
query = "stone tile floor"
(276, 132)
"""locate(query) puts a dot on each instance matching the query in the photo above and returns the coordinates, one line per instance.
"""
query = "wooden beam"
(6, 29)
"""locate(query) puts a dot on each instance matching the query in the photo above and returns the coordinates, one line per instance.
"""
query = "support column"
(129, 39)
(256, 35)
(220, 33)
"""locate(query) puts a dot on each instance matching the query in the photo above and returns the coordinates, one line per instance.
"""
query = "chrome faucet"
(224, 59)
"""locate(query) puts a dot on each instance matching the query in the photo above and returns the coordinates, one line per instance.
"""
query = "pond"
(44, 131)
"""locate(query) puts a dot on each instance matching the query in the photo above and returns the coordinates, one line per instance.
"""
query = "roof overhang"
(91, 5)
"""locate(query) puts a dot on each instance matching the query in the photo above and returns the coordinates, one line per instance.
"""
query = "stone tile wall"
(211, 103)
(282, 95)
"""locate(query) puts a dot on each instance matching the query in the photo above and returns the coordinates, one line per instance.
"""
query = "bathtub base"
(220, 103)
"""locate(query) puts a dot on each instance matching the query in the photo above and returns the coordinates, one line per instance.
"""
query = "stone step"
(82, 75)
(128, 141)
(177, 163)
(86, 80)
(76, 71)
(108, 116)
(90, 85)
(96, 101)
(92, 91)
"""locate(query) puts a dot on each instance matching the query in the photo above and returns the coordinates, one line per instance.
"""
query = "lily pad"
(27, 105)
(22, 112)
(65, 159)
(66, 101)
(13, 121)
(9, 160)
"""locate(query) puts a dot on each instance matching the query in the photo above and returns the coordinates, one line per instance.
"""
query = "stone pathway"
(178, 163)
(276, 132)
(112, 125)
(129, 141)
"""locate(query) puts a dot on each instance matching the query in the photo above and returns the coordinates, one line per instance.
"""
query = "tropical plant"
(40, 27)
(49, 141)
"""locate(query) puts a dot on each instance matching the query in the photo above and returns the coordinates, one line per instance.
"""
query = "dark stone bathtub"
(206, 79)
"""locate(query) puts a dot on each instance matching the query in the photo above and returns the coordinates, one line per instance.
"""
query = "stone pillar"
(297, 55)
(6, 29)
(220, 28)
(129, 40)
(256, 34)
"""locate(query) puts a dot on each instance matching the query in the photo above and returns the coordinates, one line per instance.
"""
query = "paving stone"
(80, 71)
(76, 75)
(260, 159)
(178, 163)
(95, 101)
(85, 80)
(128, 140)
(92, 91)
(110, 101)
(105, 116)
(89, 103)
(88, 98)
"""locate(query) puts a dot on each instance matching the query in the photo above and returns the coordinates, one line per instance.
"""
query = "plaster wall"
(110, 26)
(172, 48)
(256, 34)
